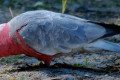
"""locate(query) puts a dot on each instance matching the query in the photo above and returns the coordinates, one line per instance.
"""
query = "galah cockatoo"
(43, 34)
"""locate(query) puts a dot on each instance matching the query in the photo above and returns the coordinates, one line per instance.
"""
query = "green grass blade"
(64, 5)
(86, 62)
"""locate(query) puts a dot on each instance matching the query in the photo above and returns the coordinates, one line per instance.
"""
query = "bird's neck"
(8, 45)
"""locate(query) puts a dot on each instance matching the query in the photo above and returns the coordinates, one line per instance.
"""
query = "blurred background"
(97, 10)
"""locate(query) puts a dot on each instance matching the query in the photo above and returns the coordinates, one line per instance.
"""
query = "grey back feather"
(50, 33)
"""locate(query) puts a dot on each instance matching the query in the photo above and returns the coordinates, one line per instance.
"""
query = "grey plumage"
(104, 45)
(51, 33)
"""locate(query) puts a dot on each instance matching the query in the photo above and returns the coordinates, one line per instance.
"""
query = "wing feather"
(60, 34)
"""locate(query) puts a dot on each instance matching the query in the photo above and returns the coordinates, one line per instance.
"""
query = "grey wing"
(60, 35)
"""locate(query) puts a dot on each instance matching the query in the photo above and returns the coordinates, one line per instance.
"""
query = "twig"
(11, 12)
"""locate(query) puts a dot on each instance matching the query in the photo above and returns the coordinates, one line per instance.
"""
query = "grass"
(64, 5)
(10, 59)
(77, 65)
(80, 65)
(86, 62)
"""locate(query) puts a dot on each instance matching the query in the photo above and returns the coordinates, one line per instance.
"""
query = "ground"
(98, 65)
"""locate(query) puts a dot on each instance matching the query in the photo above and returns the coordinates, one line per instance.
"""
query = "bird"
(43, 34)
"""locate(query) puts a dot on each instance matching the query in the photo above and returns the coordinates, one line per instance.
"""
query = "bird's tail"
(111, 29)
(106, 45)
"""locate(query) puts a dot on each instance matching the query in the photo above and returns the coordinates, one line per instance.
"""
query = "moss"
(9, 59)
(86, 62)
(76, 65)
